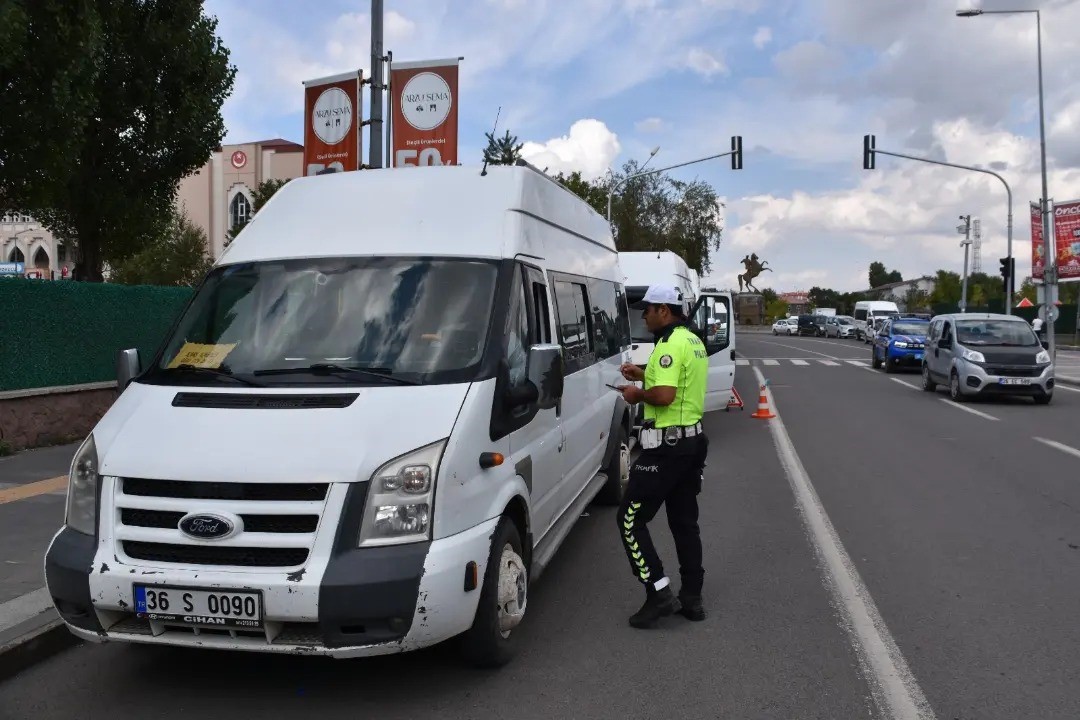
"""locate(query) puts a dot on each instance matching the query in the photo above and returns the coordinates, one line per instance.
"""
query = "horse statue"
(753, 268)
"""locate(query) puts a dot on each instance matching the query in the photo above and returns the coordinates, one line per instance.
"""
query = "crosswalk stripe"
(859, 363)
(830, 363)
(742, 361)
(799, 362)
(770, 362)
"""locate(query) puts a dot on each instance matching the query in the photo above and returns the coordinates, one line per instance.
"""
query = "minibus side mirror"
(545, 373)
(128, 367)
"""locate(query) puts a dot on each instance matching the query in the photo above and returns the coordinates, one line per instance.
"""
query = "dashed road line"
(799, 362)
(1057, 446)
(905, 382)
(966, 409)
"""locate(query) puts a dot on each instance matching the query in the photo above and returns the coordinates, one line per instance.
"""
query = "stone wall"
(50, 416)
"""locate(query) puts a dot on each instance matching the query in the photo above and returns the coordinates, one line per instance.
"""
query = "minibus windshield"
(334, 321)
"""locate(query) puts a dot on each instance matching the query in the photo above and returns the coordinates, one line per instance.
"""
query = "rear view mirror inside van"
(545, 371)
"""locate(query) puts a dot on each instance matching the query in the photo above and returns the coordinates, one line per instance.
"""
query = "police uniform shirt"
(679, 360)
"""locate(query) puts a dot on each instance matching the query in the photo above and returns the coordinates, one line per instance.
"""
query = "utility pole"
(375, 143)
(965, 230)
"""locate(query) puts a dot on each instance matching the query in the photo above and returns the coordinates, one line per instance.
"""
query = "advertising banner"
(424, 113)
(332, 124)
(1066, 229)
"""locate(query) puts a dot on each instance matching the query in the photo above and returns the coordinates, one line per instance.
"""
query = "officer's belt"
(680, 431)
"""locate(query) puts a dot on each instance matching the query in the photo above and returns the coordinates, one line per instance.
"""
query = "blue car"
(900, 342)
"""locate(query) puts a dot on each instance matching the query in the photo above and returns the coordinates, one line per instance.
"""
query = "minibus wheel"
(490, 642)
(617, 471)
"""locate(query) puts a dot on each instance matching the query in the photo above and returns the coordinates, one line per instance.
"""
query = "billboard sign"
(424, 113)
(1066, 229)
(332, 124)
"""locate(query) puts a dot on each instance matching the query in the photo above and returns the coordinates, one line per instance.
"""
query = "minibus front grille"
(225, 491)
(252, 523)
(216, 555)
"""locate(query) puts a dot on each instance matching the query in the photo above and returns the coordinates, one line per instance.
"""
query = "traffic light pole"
(870, 150)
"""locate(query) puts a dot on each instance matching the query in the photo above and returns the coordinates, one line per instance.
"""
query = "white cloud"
(705, 63)
(589, 147)
(762, 37)
(650, 125)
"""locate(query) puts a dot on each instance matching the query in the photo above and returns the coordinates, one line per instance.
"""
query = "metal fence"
(68, 333)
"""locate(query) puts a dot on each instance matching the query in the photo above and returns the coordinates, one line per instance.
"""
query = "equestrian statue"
(753, 268)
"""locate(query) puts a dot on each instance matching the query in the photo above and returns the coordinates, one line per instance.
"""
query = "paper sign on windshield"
(199, 355)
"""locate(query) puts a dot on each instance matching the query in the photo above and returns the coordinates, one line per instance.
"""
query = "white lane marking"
(1056, 445)
(796, 347)
(799, 362)
(905, 382)
(830, 363)
(24, 607)
(894, 688)
(966, 409)
(1066, 387)
(742, 361)
(859, 363)
(770, 361)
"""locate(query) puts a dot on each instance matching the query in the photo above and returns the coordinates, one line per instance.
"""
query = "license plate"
(191, 606)
(1014, 381)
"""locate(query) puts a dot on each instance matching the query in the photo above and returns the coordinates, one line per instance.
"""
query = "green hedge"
(68, 333)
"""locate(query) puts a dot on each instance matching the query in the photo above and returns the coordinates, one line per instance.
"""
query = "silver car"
(839, 327)
(986, 354)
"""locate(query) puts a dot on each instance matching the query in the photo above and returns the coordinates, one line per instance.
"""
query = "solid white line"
(742, 361)
(1060, 386)
(830, 363)
(770, 361)
(965, 408)
(1056, 445)
(894, 688)
(799, 362)
(905, 382)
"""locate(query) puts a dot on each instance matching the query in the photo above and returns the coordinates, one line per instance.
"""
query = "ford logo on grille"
(207, 526)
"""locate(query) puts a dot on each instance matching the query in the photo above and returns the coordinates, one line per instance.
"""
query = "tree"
(916, 300)
(152, 80)
(776, 309)
(179, 256)
(1027, 290)
(656, 212)
(260, 197)
(946, 288)
(504, 151)
(768, 295)
(823, 298)
(880, 276)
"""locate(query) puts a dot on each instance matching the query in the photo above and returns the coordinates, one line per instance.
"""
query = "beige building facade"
(220, 195)
(28, 249)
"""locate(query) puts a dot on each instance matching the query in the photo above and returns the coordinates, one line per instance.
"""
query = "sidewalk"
(33, 485)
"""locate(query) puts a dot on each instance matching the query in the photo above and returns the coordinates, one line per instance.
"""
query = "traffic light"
(736, 152)
(869, 159)
(1008, 269)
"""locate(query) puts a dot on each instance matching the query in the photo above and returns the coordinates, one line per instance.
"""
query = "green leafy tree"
(768, 295)
(1027, 290)
(824, 298)
(946, 288)
(178, 256)
(916, 300)
(879, 276)
(657, 212)
(776, 309)
(147, 83)
(502, 151)
(260, 197)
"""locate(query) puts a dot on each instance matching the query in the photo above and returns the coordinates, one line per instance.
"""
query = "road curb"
(32, 641)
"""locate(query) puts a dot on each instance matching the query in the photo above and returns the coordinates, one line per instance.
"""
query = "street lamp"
(1049, 246)
(734, 152)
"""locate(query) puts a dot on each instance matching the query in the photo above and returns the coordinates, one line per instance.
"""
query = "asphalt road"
(960, 528)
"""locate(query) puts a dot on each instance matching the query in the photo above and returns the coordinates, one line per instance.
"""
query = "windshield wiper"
(328, 368)
(215, 372)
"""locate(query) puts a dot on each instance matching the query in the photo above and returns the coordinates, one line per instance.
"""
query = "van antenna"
(483, 173)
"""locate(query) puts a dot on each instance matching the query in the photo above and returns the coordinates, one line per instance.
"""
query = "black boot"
(658, 604)
(691, 607)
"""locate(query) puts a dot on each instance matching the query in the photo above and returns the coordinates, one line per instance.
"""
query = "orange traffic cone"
(763, 411)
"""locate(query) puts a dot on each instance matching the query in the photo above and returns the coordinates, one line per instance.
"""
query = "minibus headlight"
(80, 514)
(400, 499)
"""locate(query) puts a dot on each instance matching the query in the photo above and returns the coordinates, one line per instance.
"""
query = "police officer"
(669, 470)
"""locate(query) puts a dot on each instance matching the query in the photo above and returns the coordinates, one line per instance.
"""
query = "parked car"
(987, 354)
(786, 326)
(900, 343)
(839, 327)
(821, 321)
(807, 325)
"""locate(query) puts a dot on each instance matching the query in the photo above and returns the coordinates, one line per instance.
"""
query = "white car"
(786, 326)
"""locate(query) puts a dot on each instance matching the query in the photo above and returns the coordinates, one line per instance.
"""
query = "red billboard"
(1066, 228)
(424, 113)
(332, 124)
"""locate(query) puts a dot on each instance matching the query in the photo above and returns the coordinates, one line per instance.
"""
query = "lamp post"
(628, 178)
(1049, 245)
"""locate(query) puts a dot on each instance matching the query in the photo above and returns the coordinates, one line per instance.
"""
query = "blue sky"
(588, 84)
